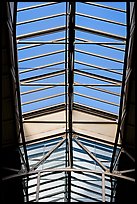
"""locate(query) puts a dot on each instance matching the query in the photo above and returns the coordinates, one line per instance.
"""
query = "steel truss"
(69, 68)
(104, 173)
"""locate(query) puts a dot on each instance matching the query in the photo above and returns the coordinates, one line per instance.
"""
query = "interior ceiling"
(84, 123)
(79, 99)
(61, 65)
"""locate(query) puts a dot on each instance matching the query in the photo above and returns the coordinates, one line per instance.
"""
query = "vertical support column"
(22, 136)
(71, 37)
(114, 159)
(71, 74)
(38, 186)
(18, 90)
(103, 187)
(123, 86)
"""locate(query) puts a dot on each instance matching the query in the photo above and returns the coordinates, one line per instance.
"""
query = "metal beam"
(106, 7)
(96, 111)
(10, 169)
(43, 76)
(113, 85)
(99, 42)
(129, 155)
(101, 90)
(38, 187)
(28, 46)
(96, 99)
(41, 99)
(101, 33)
(41, 55)
(35, 166)
(38, 43)
(61, 84)
(127, 171)
(17, 94)
(71, 39)
(122, 87)
(43, 42)
(75, 122)
(41, 84)
(36, 6)
(117, 175)
(46, 138)
(100, 19)
(35, 90)
(41, 32)
(98, 67)
(103, 44)
(112, 47)
(92, 138)
(98, 77)
(40, 19)
(99, 56)
(91, 155)
(117, 159)
(103, 187)
(40, 67)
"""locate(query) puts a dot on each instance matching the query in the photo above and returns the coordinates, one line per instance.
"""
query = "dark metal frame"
(69, 84)
(123, 104)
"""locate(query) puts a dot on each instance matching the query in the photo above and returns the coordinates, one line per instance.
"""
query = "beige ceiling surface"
(93, 125)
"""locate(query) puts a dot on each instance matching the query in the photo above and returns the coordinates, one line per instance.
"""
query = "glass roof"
(70, 61)
(53, 182)
(99, 48)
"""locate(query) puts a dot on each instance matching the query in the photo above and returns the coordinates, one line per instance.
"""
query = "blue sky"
(90, 59)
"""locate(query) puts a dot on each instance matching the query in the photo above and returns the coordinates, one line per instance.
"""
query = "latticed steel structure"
(72, 107)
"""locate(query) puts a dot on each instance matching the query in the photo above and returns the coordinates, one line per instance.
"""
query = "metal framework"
(72, 70)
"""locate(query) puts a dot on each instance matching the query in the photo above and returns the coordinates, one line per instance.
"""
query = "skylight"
(70, 60)
(99, 46)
